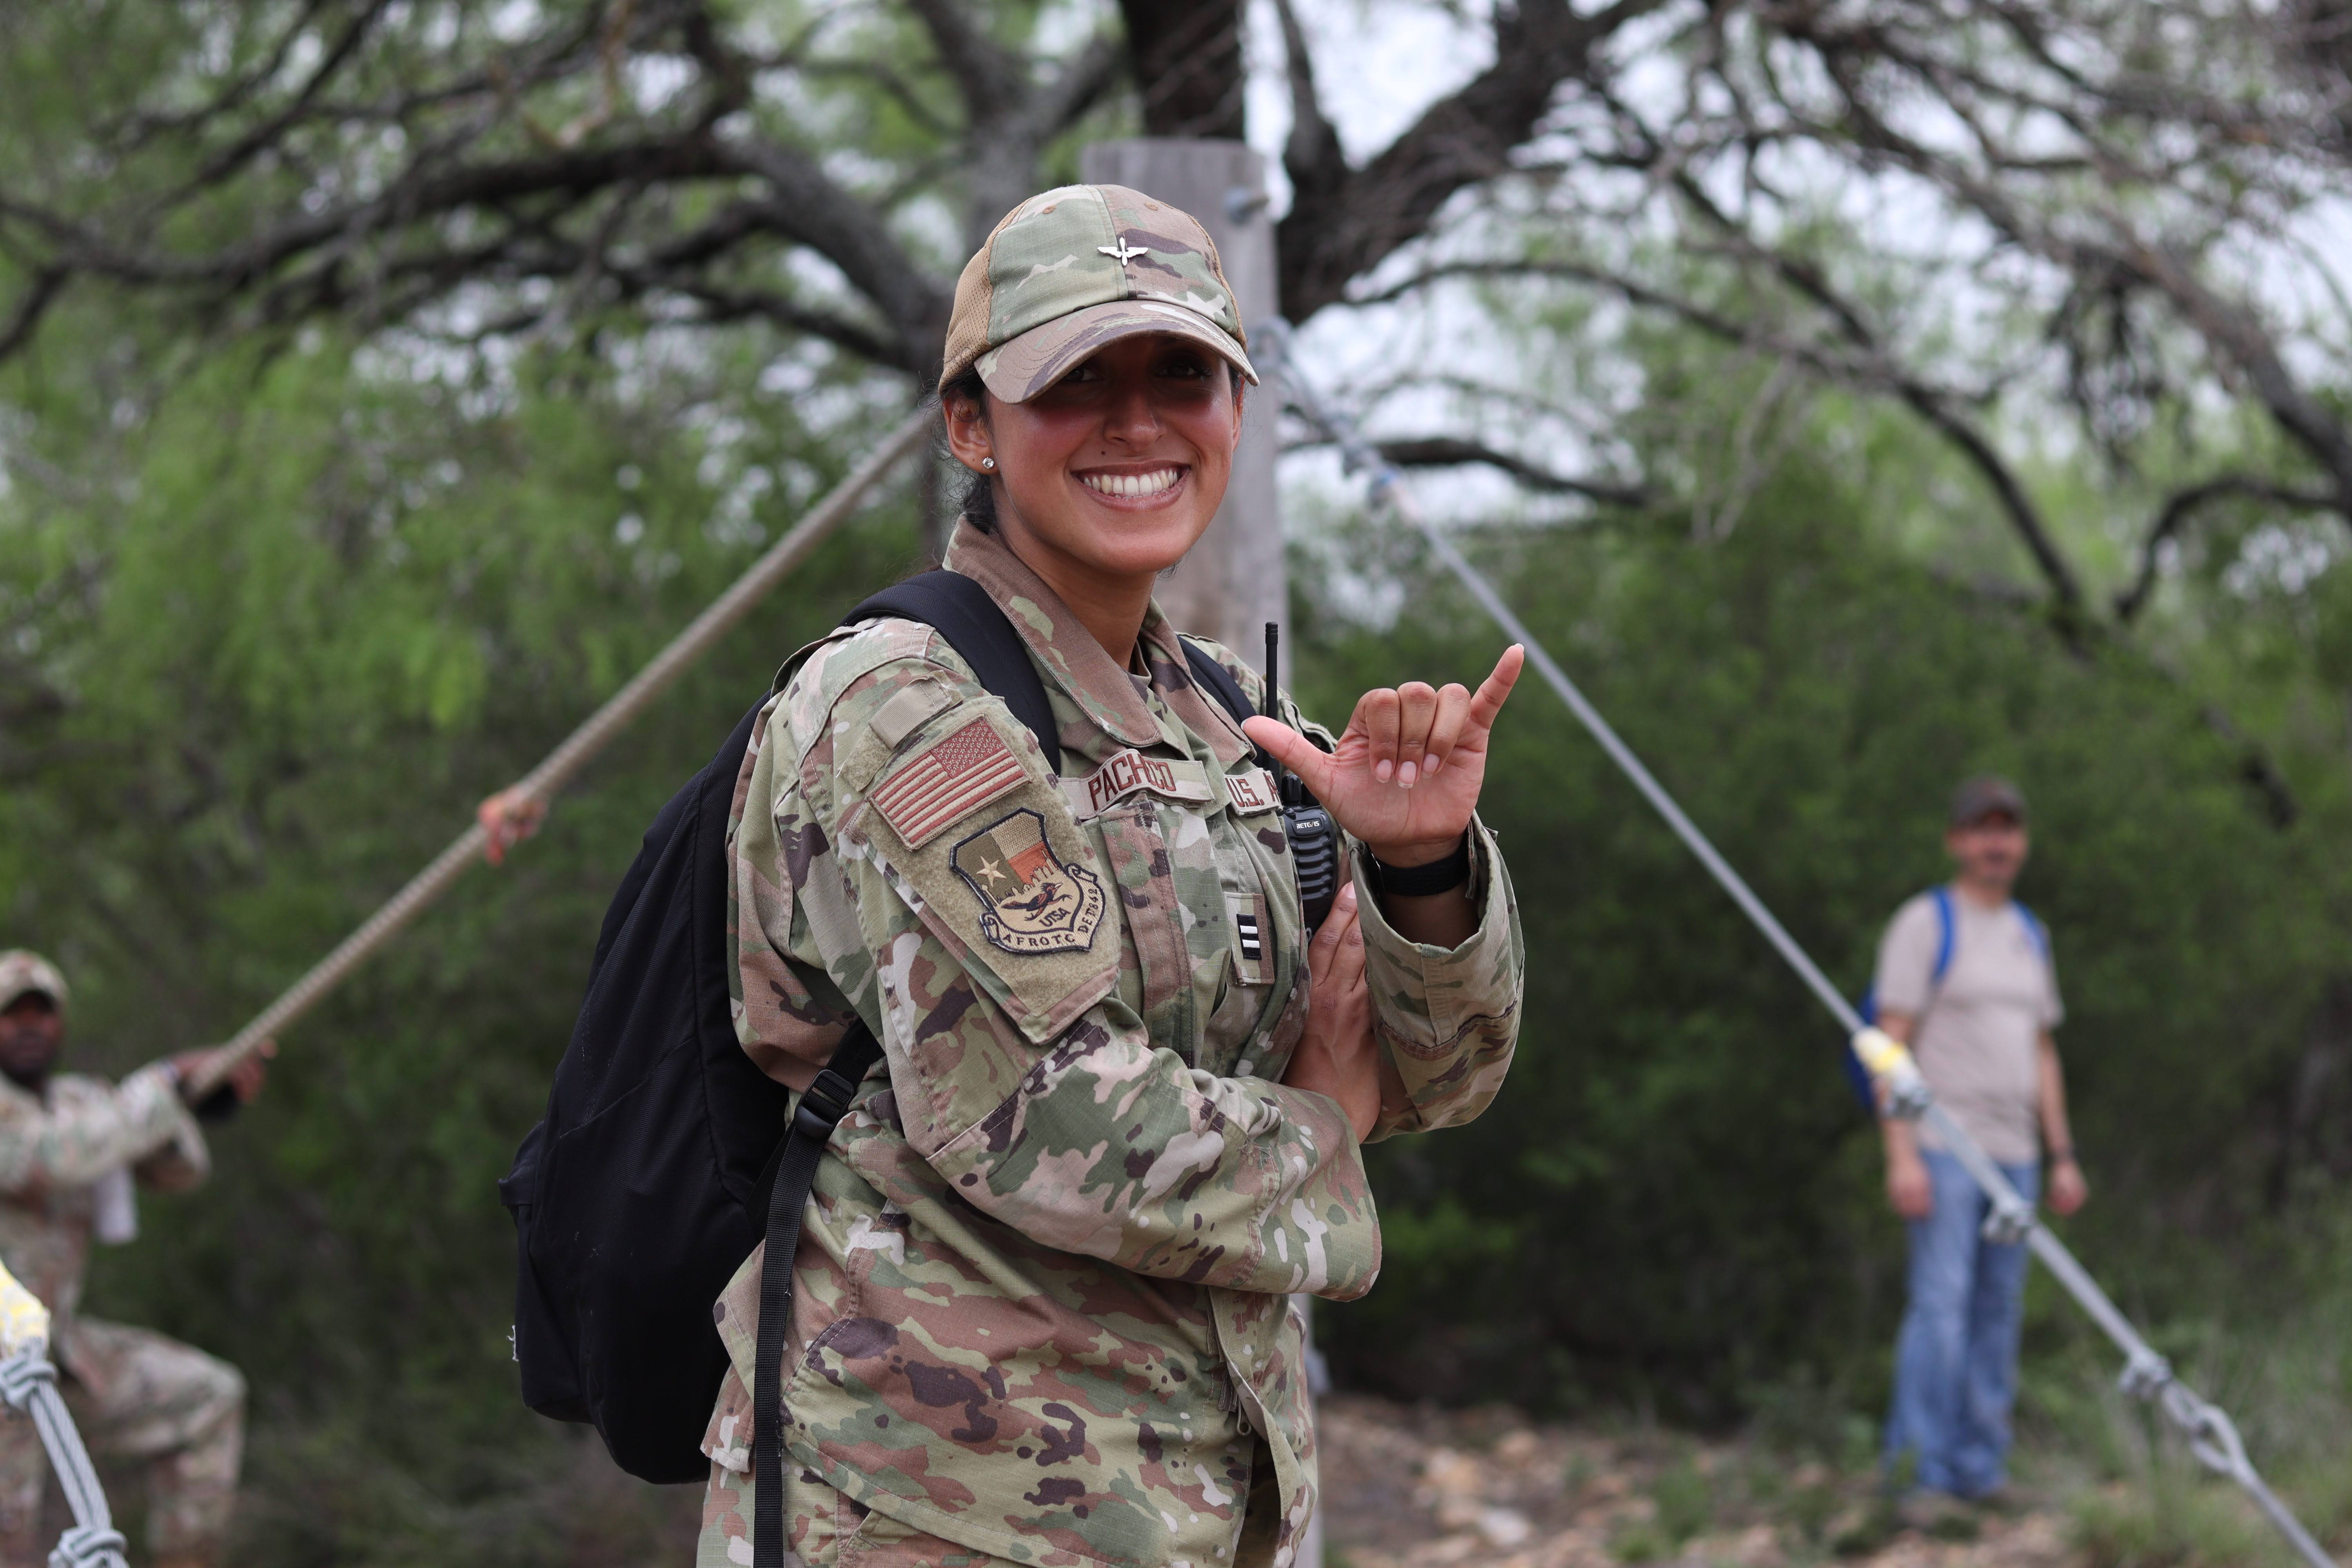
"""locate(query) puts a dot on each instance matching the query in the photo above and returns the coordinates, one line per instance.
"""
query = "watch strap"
(1421, 881)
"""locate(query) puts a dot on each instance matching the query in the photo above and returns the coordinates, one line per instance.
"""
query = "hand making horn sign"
(1403, 781)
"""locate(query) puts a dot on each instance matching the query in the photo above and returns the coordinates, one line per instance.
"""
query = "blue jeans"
(1956, 1359)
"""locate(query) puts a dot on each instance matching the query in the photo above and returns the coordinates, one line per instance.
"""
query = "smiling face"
(1990, 851)
(1108, 477)
(31, 1030)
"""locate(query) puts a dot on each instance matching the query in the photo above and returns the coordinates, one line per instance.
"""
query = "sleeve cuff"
(154, 1093)
(1429, 996)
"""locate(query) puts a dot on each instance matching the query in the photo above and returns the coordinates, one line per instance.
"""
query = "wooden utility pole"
(1234, 582)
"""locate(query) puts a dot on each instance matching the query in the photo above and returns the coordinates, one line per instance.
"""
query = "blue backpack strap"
(1857, 1076)
(1946, 927)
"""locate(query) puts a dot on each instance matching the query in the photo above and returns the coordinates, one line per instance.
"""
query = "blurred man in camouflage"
(70, 1147)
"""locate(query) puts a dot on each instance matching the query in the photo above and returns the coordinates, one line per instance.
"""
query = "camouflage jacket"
(1040, 1303)
(54, 1150)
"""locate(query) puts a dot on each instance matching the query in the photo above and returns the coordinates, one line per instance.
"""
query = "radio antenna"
(1273, 649)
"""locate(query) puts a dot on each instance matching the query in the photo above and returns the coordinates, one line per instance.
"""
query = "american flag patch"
(951, 781)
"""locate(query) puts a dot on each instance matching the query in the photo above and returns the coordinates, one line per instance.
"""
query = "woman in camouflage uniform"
(1041, 1308)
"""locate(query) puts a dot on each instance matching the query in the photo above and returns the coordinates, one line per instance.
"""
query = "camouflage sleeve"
(788, 1017)
(1447, 1018)
(952, 898)
(178, 1166)
(72, 1146)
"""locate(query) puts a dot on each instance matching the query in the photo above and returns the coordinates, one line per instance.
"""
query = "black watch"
(1421, 881)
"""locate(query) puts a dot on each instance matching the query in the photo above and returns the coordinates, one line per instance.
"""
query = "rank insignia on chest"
(1031, 899)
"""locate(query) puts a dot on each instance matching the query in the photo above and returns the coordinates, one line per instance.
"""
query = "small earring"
(987, 462)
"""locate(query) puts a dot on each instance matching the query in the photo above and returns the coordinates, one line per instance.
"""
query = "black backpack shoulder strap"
(960, 610)
(822, 1106)
(1219, 681)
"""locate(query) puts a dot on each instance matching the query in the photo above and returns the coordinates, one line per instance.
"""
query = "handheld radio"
(1313, 837)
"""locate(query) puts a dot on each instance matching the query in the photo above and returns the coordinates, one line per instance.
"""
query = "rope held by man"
(2212, 1436)
(527, 797)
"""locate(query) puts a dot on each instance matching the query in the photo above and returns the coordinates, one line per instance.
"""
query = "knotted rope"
(542, 782)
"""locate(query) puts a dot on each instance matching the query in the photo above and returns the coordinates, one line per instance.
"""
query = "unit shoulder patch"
(1031, 899)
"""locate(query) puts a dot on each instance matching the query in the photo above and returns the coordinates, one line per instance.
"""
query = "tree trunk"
(1187, 57)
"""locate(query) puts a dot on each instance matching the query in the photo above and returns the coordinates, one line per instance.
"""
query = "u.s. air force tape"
(1252, 791)
(1130, 772)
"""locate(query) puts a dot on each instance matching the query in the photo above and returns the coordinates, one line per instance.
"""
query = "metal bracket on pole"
(2145, 1375)
(2008, 1219)
(2211, 1436)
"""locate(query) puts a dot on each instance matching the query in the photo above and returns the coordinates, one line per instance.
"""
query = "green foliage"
(1685, 1500)
(272, 622)
(268, 638)
(2188, 1524)
(272, 660)
(1640, 1541)
(1676, 1199)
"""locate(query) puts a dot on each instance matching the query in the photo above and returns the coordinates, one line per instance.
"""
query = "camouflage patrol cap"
(1075, 269)
(23, 973)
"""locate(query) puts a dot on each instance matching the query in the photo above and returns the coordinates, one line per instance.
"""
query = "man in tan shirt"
(1964, 978)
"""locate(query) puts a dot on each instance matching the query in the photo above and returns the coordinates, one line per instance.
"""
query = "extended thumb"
(1288, 746)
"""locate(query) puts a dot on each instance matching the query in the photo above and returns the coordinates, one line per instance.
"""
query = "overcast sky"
(1378, 65)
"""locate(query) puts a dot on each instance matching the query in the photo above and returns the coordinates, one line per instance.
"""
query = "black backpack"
(666, 1156)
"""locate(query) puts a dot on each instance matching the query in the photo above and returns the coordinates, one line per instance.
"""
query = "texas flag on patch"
(955, 777)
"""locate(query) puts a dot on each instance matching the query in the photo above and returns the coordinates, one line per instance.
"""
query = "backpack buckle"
(822, 1105)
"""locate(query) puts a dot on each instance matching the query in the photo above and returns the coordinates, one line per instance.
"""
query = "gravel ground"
(1411, 1487)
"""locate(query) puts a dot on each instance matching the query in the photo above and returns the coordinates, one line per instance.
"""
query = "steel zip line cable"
(2212, 1436)
(593, 736)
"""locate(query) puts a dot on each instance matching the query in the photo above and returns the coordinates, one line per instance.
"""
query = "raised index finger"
(1487, 700)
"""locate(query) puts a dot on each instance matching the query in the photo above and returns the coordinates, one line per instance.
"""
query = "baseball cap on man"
(1983, 795)
(23, 974)
(1075, 269)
